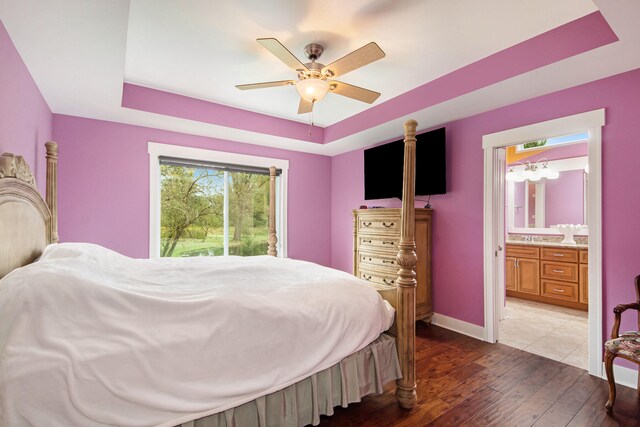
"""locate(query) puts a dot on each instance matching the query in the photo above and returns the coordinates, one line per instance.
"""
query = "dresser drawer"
(377, 277)
(376, 225)
(388, 262)
(584, 256)
(389, 243)
(560, 290)
(559, 254)
(517, 251)
(559, 271)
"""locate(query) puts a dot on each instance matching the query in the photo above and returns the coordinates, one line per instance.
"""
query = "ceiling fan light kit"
(313, 84)
(312, 89)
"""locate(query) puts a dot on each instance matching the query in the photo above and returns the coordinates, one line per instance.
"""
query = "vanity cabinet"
(523, 269)
(376, 235)
(547, 274)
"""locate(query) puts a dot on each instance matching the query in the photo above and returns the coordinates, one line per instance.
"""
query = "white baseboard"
(623, 376)
(465, 328)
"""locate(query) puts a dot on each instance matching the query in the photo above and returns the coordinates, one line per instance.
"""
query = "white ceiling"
(80, 52)
(203, 48)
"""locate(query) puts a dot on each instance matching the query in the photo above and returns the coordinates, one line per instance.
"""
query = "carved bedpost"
(272, 239)
(406, 282)
(52, 187)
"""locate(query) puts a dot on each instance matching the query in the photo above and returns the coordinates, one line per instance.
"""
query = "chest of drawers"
(376, 235)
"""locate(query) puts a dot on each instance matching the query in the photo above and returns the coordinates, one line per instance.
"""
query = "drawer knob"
(387, 242)
(389, 282)
(391, 224)
(366, 224)
(384, 261)
(558, 271)
(365, 277)
(558, 290)
(366, 241)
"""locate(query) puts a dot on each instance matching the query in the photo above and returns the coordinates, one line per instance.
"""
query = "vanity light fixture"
(532, 172)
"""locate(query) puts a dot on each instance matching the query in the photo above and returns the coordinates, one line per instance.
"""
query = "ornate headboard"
(27, 222)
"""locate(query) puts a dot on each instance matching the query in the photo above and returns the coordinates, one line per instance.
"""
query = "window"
(551, 142)
(211, 203)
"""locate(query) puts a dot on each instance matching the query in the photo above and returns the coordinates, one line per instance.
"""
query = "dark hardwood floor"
(466, 382)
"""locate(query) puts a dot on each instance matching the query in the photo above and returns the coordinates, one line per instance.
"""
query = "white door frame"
(493, 235)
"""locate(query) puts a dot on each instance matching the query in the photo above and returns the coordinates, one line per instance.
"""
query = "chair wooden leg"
(608, 367)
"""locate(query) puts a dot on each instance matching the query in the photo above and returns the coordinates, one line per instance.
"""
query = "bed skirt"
(362, 373)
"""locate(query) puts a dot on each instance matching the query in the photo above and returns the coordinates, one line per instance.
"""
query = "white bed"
(160, 342)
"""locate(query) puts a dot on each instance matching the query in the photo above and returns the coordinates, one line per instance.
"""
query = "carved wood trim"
(406, 281)
(14, 166)
(272, 239)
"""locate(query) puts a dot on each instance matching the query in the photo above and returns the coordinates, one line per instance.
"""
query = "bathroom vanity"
(548, 272)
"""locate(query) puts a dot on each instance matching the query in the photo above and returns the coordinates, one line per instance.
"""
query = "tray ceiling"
(81, 53)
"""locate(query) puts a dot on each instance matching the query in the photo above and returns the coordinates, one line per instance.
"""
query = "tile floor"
(550, 331)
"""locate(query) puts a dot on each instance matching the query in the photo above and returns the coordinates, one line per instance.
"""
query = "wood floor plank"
(483, 384)
(568, 405)
(533, 408)
(467, 408)
(499, 411)
(625, 412)
(592, 413)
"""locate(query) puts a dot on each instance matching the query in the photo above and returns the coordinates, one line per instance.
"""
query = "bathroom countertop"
(550, 244)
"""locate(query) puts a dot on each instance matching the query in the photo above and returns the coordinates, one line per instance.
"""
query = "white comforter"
(90, 337)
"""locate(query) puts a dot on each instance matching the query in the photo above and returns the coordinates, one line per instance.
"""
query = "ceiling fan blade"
(358, 58)
(354, 92)
(305, 106)
(265, 84)
(278, 49)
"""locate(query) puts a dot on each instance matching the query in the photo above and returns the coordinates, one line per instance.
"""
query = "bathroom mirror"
(534, 206)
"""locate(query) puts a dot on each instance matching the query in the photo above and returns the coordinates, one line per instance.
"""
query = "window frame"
(156, 150)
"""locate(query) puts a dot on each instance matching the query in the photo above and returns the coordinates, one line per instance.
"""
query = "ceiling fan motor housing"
(313, 51)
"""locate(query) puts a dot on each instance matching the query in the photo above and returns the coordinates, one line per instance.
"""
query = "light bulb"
(312, 89)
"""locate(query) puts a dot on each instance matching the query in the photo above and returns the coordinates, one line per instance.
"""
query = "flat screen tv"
(383, 167)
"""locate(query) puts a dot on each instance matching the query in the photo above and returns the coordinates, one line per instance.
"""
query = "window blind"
(174, 161)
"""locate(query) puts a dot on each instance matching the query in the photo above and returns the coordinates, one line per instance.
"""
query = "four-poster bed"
(28, 225)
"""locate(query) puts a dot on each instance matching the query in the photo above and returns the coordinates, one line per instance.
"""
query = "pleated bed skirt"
(362, 373)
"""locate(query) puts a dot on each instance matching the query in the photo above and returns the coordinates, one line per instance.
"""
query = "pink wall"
(458, 215)
(25, 118)
(564, 199)
(104, 186)
(518, 200)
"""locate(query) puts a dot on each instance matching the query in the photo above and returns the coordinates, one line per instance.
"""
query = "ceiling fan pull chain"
(311, 117)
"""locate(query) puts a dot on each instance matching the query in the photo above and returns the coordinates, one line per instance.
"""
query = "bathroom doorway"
(536, 252)
(546, 271)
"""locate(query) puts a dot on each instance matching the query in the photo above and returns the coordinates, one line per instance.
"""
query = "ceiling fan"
(313, 77)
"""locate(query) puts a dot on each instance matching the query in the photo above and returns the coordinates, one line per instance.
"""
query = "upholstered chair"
(626, 345)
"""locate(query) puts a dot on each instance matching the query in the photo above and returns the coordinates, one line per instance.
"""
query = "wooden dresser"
(554, 275)
(376, 234)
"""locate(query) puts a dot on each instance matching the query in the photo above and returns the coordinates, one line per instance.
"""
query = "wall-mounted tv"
(383, 167)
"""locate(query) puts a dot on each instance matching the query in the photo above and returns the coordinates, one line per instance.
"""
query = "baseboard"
(459, 326)
(623, 376)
